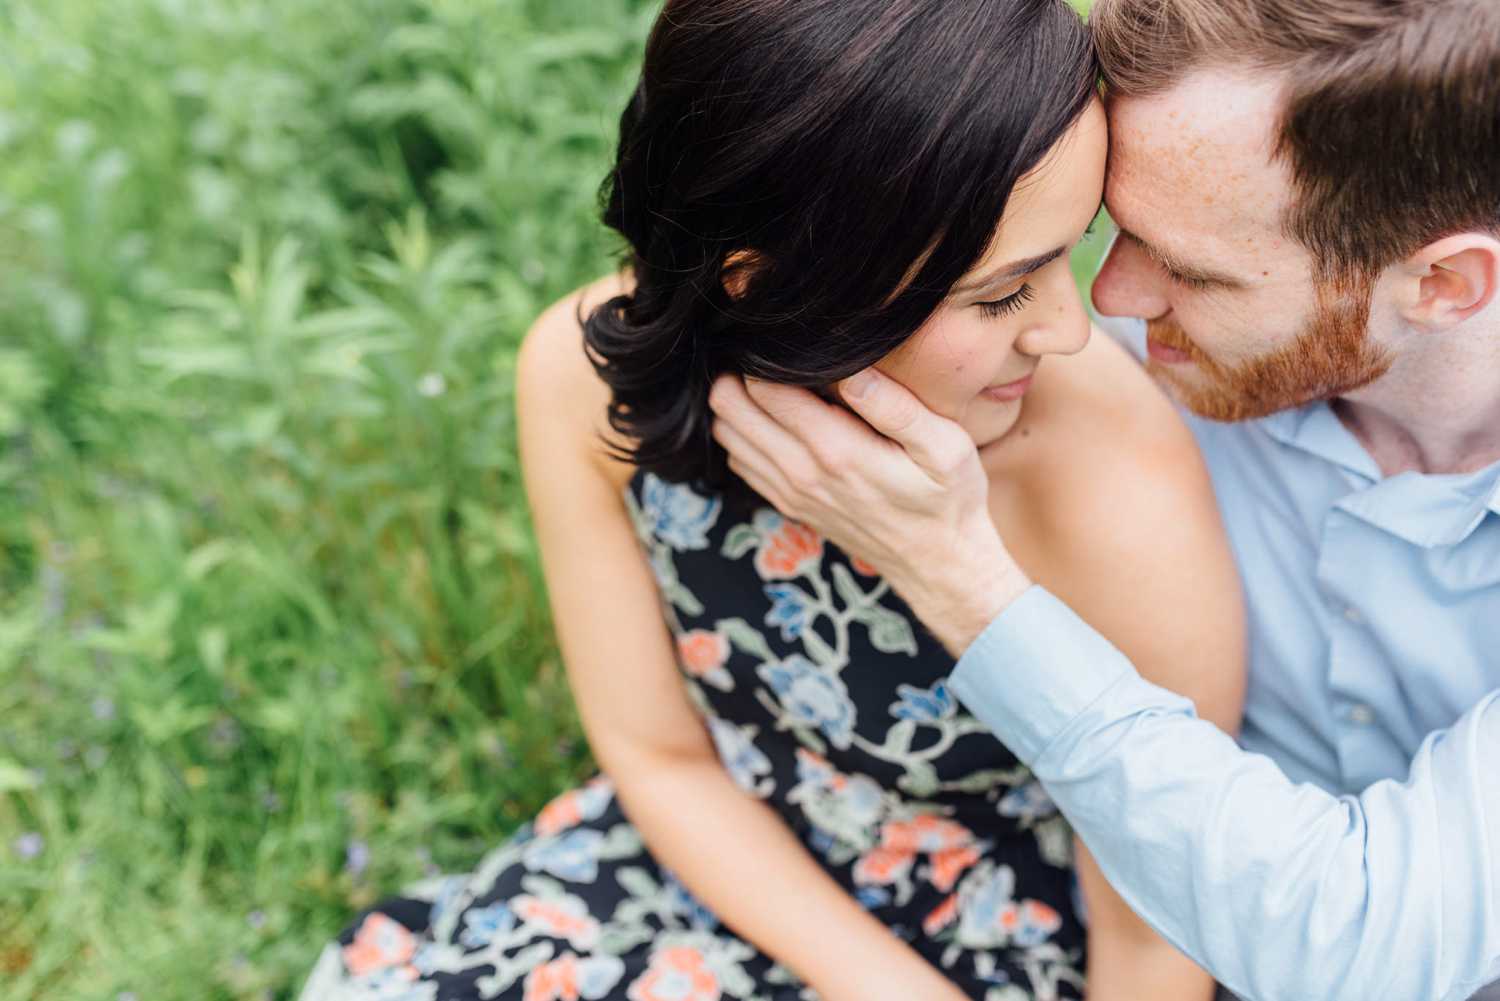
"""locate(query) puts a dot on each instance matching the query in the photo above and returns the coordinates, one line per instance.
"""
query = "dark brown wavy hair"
(839, 164)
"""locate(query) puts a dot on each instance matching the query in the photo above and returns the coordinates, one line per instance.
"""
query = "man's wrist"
(971, 591)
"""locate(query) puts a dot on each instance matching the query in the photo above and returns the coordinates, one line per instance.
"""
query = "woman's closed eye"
(1013, 303)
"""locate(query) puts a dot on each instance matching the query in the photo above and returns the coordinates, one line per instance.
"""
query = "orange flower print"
(702, 651)
(676, 974)
(788, 549)
(942, 916)
(566, 918)
(381, 942)
(554, 981)
(925, 833)
(1039, 922)
(948, 865)
(1009, 919)
(883, 866)
(574, 807)
(862, 568)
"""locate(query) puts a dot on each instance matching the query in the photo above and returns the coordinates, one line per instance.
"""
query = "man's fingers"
(745, 456)
(763, 487)
(935, 443)
(736, 409)
(831, 434)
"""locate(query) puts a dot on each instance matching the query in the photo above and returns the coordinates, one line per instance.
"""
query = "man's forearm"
(1282, 892)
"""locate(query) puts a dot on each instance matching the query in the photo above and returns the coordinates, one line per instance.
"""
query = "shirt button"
(1353, 615)
(1361, 715)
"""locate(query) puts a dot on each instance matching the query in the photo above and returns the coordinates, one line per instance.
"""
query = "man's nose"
(1130, 284)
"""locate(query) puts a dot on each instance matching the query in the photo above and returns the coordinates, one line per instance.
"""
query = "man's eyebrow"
(1180, 268)
(1010, 272)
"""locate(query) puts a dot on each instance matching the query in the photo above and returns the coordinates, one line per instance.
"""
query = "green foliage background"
(272, 635)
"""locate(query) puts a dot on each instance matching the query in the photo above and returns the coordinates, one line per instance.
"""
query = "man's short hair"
(1391, 116)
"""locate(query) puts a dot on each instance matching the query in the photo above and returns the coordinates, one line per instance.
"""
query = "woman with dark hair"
(792, 805)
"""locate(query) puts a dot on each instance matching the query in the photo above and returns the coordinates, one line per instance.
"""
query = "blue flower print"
(1039, 922)
(680, 901)
(482, 925)
(812, 697)
(788, 610)
(572, 856)
(871, 897)
(923, 705)
(598, 975)
(678, 516)
(744, 761)
(988, 914)
(1027, 803)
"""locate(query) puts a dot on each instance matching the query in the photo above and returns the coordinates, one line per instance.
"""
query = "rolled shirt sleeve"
(1283, 892)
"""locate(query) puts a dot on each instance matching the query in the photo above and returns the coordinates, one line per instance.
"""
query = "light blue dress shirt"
(1351, 849)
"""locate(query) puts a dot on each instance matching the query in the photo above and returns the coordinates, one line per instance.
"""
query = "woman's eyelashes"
(1013, 303)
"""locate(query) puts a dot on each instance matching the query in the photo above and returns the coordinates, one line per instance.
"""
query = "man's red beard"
(1332, 357)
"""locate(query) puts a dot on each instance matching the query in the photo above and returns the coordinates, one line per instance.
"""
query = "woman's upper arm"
(1147, 563)
(617, 650)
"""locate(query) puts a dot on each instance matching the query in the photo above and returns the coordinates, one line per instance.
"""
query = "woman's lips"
(1009, 392)
(1166, 355)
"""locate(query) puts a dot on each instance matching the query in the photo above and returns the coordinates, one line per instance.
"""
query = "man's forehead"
(1206, 145)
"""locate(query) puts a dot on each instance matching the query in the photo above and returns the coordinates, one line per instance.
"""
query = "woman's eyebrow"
(1010, 272)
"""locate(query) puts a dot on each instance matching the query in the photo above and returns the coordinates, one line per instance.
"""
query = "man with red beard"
(1308, 193)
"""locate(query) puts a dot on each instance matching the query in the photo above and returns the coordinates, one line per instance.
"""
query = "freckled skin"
(1192, 170)
(960, 351)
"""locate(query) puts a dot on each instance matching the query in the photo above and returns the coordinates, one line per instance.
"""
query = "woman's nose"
(1064, 331)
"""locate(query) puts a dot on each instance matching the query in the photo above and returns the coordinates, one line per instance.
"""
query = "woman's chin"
(992, 428)
(992, 423)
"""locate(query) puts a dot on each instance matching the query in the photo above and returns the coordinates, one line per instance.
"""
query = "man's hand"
(904, 491)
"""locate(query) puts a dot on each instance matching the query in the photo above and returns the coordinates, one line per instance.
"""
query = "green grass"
(272, 633)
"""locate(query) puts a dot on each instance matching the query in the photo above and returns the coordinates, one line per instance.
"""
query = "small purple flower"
(356, 858)
(103, 708)
(29, 845)
(225, 734)
(256, 920)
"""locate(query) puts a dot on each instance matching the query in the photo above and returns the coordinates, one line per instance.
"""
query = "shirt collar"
(1425, 510)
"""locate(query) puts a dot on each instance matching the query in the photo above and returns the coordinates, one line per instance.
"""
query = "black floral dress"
(826, 702)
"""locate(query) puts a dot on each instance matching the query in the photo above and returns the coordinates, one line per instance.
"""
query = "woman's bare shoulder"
(556, 383)
(1132, 537)
(1116, 477)
(1106, 428)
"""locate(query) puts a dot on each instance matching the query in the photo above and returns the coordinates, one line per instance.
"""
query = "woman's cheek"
(942, 365)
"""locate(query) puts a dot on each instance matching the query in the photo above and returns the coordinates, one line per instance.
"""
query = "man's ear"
(739, 267)
(1456, 277)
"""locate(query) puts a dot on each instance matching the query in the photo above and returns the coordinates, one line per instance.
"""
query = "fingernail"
(858, 386)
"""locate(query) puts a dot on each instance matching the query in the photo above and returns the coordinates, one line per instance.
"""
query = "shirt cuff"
(1034, 670)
